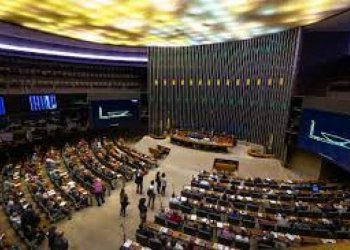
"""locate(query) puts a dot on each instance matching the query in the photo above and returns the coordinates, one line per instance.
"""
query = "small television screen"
(2, 106)
(326, 134)
(42, 102)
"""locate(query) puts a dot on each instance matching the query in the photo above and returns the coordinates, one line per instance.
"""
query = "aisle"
(100, 227)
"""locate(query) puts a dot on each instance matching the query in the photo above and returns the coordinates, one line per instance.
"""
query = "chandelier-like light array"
(166, 22)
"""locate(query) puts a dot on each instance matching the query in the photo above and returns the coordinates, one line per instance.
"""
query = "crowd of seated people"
(43, 192)
(146, 161)
(22, 217)
(120, 155)
(62, 180)
(109, 161)
(90, 161)
(232, 211)
(149, 237)
(78, 170)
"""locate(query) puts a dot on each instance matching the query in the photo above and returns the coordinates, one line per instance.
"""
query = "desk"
(200, 144)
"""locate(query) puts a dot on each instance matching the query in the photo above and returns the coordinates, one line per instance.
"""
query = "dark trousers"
(122, 210)
(151, 201)
(158, 187)
(139, 188)
(99, 198)
(163, 190)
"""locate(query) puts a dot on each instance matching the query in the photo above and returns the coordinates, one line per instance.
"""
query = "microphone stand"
(123, 228)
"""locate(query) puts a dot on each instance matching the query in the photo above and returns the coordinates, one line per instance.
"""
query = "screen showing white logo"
(328, 138)
(113, 114)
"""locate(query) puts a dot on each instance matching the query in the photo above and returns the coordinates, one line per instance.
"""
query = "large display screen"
(2, 106)
(115, 113)
(327, 134)
(42, 102)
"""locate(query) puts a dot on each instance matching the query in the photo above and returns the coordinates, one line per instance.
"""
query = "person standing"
(139, 180)
(143, 210)
(151, 193)
(158, 181)
(163, 181)
(98, 191)
(124, 204)
(121, 195)
(51, 235)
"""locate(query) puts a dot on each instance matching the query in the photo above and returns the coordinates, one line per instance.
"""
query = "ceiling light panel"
(166, 22)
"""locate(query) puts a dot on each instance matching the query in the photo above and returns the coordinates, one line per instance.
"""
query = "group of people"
(21, 214)
(73, 190)
(162, 240)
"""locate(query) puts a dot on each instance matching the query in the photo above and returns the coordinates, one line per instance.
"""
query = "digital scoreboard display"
(327, 134)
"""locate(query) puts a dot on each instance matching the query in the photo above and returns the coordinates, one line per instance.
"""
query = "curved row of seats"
(146, 161)
(237, 212)
(78, 195)
(15, 203)
(90, 161)
(78, 171)
(266, 204)
(54, 183)
(48, 198)
(112, 163)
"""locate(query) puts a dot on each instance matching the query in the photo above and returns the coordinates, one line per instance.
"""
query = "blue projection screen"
(327, 134)
(2, 106)
(42, 102)
(115, 113)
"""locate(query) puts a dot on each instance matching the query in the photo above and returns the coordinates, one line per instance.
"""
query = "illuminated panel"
(42, 102)
(166, 22)
(2, 106)
(326, 134)
(71, 54)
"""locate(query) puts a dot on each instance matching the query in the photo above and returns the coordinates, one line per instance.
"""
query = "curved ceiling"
(166, 22)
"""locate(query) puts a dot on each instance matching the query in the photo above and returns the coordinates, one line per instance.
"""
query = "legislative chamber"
(174, 125)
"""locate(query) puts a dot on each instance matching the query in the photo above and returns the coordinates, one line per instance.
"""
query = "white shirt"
(163, 181)
(174, 200)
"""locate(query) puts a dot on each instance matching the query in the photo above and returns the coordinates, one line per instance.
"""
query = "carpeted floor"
(100, 227)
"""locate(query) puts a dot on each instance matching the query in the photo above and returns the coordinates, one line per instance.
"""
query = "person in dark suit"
(124, 204)
(29, 218)
(51, 234)
(60, 242)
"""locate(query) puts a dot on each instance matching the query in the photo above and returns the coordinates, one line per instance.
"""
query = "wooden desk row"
(266, 216)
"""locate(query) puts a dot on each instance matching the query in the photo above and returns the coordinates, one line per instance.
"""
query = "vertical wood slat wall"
(241, 87)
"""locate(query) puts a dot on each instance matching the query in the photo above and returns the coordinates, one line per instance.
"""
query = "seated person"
(15, 218)
(10, 205)
(173, 244)
(204, 184)
(227, 233)
(224, 197)
(242, 238)
(174, 216)
(162, 213)
(233, 214)
(29, 218)
(282, 221)
(315, 189)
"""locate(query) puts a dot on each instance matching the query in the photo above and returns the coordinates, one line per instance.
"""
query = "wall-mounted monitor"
(42, 102)
(2, 106)
(326, 134)
(115, 113)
